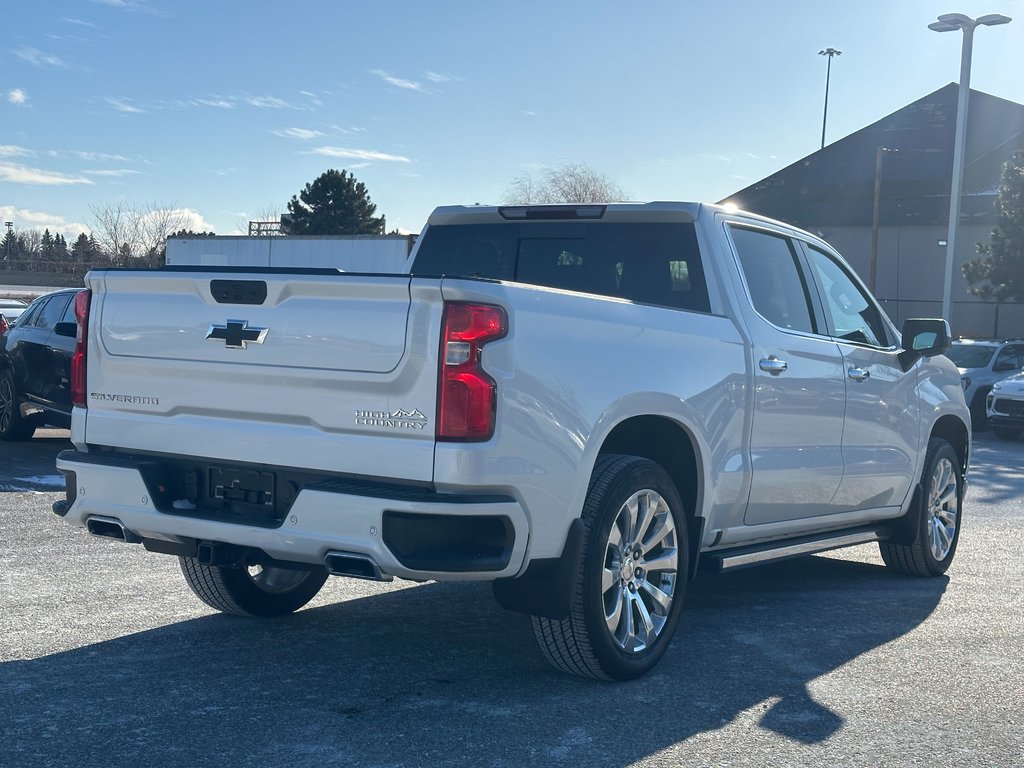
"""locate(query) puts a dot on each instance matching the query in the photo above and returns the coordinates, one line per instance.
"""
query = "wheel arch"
(953, 430)
(669, 444)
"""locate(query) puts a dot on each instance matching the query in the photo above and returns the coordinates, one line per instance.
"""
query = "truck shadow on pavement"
(439, 675)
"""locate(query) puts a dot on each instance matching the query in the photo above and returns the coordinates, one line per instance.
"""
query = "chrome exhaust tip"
(355, 565)
(111, 528)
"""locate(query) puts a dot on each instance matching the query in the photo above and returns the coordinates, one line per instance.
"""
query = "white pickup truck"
(581, 404)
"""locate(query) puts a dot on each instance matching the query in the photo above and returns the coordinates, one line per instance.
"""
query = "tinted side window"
(1009, 359)
(28, 316)
(852, 314)
(777, 287)
(649, 263)
(51, 312)
(69, 311)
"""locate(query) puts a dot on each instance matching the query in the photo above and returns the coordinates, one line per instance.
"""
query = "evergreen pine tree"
(333, 204)
(999, 272)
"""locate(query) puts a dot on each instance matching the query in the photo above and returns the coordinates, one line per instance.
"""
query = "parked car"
(10, 310)
(1005, 407)
(983, 362)
(35, 366)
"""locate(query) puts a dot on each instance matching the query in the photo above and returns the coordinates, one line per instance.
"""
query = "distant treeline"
(35, 251)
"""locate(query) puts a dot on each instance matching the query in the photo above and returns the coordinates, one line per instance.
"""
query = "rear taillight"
(467, 397)
(3, 325)
(78, 357)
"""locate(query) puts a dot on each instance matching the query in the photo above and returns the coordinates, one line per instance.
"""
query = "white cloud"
(122, 105)
(268, 102)
(17, 96)
(38, 58)
(437, 77)
(20, 174)
(26, 219)
(79, 22)
(100, 157)
(398, 82)
(114, 172)
(297, 133)
(189, 218)
(10, 150)
(216, 103)
(359, 154)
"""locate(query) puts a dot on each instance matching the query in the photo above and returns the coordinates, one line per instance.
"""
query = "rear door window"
(776, 284)
(649, 263)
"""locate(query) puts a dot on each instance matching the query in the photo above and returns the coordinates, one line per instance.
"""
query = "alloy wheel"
(943, 509)
(641, 562)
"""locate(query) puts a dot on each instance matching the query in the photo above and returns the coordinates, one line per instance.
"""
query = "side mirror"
(923, 337)
(66, 329)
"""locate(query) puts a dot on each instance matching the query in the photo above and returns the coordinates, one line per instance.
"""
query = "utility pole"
(830, 52)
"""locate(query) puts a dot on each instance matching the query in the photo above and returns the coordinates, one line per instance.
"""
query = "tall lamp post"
(950, 22)
(830, 52)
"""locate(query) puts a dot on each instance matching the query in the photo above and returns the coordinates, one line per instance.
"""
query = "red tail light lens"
(467, 395)
(3, 325)
(78, 357)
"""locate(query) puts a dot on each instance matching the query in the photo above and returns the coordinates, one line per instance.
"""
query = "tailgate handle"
(238, 291)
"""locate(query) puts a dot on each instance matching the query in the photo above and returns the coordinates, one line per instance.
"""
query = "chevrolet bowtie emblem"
(236, 334)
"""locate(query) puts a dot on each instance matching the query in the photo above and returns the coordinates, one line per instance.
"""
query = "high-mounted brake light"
(78, 357)
(552, 211)
(467, 395)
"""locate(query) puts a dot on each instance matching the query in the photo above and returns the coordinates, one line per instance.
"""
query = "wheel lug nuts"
(639, 572)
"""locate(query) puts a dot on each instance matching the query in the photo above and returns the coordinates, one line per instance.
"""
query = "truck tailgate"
(332, 372)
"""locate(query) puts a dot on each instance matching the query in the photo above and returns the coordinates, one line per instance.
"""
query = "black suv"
(35, 366)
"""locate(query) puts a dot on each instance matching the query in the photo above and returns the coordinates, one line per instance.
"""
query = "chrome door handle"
(773, 365)
(859, 374)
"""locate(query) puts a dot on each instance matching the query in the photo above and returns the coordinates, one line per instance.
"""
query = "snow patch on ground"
(46, 481)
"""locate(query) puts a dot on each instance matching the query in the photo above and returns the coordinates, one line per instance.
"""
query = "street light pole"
(950, 22)
(830, 52)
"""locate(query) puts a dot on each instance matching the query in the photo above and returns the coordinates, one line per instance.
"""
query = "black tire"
(937, 524)
(584, 643)
(12, 426)
(1006, 433)
(247, 592)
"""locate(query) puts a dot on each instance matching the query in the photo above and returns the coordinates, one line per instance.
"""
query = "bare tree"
(268, 213)
(570, 183)
(129, 231)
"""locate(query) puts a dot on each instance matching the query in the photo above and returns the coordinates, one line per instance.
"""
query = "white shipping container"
(354, 253)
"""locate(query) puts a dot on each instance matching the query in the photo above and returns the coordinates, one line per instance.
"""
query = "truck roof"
(661, 210)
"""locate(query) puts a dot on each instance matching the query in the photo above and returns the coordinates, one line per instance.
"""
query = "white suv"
(983, 362)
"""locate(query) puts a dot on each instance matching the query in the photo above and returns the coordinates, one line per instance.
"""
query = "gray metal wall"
(911, 265)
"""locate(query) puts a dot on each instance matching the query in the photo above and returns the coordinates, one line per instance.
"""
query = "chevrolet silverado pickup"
(583, 404)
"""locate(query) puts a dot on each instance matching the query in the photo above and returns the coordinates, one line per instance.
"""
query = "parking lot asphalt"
(106, 659)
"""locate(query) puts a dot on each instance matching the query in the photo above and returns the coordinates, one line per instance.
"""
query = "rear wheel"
(12, 426)
(633, 575)
(253, 590)
(1006, 433)
(931, 550)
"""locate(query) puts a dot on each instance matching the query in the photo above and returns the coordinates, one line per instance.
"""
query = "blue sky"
(227, 108)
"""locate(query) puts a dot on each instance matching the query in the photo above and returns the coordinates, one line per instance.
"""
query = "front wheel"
(937, 531)
(253, 590)
(632, 578)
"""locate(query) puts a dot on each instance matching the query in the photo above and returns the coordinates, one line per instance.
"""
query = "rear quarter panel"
(572, 367)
